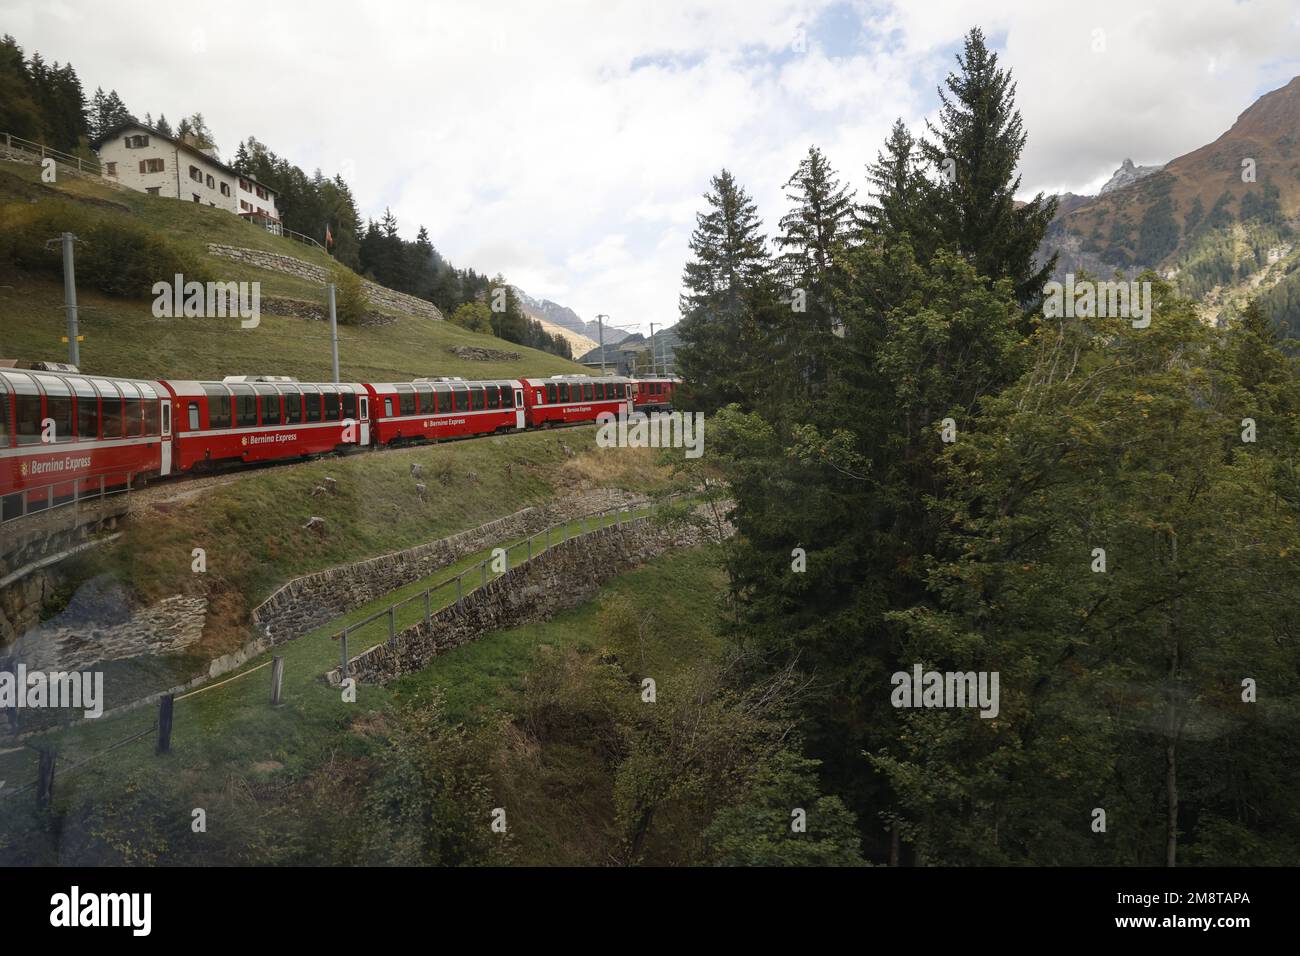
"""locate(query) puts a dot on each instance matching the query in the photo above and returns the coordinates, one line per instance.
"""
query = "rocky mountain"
(1221, 221)
(546, 311)
(1127, 175)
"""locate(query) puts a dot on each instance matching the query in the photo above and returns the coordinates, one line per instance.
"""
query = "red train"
(63, 433)
(656, 392)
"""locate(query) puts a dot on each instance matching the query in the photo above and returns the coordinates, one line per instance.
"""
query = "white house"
(146, 160)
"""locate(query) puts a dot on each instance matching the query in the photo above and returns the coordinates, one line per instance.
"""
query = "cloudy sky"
(567, 144)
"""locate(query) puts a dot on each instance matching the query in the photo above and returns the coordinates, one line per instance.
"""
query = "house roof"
(181, 144)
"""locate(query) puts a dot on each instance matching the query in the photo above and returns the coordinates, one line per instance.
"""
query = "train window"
(550, 393)
(406, 399)
(292, 404)
(562, 391)
(192, 411)
(586, 393)
(132, 410)
(218, 406)
(27, 409)
(311, 402)
(600, 390)
(4, 414)
(245, 405)
(476, 397)
(507, 396)
(87, 409)
(110, 408)
(331, 405)
(388, 408)
(270, 400)
(444, 397)
(58, 406)
(152, 416)
(425, 394)
(493, 396)
(461, 394)
(349, 405)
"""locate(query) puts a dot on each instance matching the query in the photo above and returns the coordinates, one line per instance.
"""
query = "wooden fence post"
(45, 777)
(165, 704)
(277, 679)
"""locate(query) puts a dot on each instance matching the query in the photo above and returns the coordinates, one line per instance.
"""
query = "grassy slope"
(242, 760)
(251, 529)
(123, 338)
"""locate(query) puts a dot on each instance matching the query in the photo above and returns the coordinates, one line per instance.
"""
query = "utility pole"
(334, 333)
(654, 361)
(600, 330)
(70, 296)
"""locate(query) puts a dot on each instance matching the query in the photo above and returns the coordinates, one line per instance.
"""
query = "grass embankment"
(280, 785)
(251, 529)
(122, 337)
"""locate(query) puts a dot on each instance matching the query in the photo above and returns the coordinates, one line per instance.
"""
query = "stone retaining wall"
(312, 600)
(562, 577)
(379, 296)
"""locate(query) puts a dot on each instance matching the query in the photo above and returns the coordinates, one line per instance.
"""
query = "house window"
(151, 165)
(243, 184)
(261, 193)
(137, 142)
(244, 206)
(110, 169)
(195, 174)
(211, 182)
(153, 190)
(225, 189)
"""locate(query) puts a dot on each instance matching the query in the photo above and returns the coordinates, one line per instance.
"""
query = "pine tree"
(163, 126)
(727, 285)
(974, 154)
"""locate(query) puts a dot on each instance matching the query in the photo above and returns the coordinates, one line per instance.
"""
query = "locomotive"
(65, 434)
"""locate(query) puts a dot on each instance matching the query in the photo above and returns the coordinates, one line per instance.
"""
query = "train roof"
(22, 377)
(197, 388)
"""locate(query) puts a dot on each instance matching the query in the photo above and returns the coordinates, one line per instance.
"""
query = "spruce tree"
(974, 153)
(812, 240)
(726, 285)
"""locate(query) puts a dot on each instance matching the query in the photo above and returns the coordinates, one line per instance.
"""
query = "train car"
(573, 399)
(64, 434)
(265, 418)
(655, 393)
(436, 409)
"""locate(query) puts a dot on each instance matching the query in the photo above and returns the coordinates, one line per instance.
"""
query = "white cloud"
(568, 145)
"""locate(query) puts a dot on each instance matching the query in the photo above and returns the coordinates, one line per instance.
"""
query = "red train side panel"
(62, 433)
(243, 420)
(573, 399)
(437, 409)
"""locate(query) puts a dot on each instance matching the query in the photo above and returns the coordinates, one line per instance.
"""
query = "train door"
(629, 390)
(165, 467)
(364, 410)
(519, 407)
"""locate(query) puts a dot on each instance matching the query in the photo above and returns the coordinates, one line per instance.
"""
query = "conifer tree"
(973, 157)
(727, 284)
